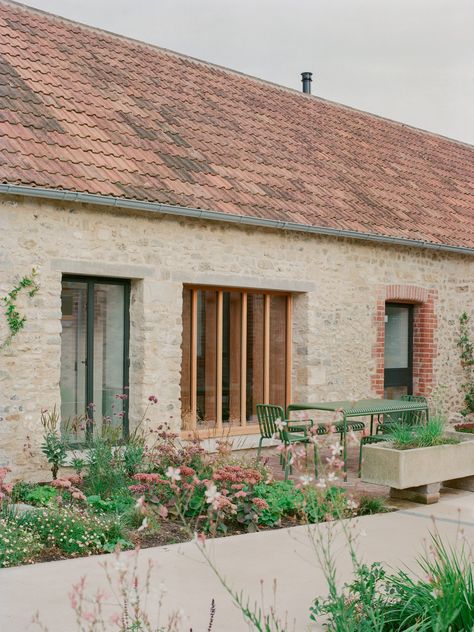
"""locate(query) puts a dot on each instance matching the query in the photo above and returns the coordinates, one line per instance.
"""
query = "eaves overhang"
(219, 216)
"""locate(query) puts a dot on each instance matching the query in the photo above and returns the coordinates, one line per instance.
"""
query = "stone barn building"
(213, 240)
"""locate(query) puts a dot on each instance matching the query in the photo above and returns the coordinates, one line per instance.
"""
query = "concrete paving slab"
(285, 555)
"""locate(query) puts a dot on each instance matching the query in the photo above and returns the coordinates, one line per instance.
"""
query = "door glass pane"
(206, 357)
(396, 336)
(231, 356)
(73, 360)
(255, 340)
(278, 350)
(108, 389)
(186, 362)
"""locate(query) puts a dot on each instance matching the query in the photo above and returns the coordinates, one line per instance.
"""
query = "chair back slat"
(267, 415)
(413, 417)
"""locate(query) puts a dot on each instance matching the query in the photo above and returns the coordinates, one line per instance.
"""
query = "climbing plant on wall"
(15, 320)
(467, 361)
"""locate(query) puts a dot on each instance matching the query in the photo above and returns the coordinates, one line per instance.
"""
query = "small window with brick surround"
(404, 350)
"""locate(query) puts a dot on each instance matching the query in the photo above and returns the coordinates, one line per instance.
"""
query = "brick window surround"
(424, 328)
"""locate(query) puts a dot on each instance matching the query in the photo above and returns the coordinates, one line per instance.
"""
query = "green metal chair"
(292, 432)
(409, 418)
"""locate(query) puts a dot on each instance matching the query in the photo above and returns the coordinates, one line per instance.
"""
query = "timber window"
(94, 357)
(236, 354)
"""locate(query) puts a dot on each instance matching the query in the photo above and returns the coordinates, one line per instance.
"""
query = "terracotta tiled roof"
(89, 111)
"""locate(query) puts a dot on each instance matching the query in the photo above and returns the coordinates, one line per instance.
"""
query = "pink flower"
(78, 495)
(240, 494)
(115, 619)
(3, 472)
(75, 479)
(150, 479)
(260, 503)
(7, 487)
(184, 470)
(61, 483)
(138, 489)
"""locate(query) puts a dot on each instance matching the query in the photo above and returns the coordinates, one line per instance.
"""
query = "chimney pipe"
(306, 79)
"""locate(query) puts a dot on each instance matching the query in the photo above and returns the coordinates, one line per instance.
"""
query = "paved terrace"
(395, 538)
(353, 484)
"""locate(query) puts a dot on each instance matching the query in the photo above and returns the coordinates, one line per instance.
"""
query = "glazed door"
(398, 355)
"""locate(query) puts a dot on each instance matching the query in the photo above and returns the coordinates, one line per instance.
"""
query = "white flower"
(120, 566)
(332, 476)
(306, 479)
(143, 525)
(352, 504)
(140, 504)
(173, 473)
(321, 483)
(335, 448)
(211, 494)
(280, 424)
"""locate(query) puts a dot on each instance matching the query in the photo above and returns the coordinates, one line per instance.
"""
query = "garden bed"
(138, 496)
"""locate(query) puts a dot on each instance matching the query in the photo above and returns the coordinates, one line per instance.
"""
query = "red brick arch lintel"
(424, 339)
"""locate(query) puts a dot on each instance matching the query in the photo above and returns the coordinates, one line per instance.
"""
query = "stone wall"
(338, 284)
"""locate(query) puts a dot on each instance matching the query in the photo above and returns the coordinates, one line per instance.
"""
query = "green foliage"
(20, 491)
(369, 505)
(15, 320)
(467, 361)
(78, 464)
(41, 495)
(53, 447)
(441, 599)
(356, 608)
(106, 475)
(283, 499)
(71, 530)
(118, 543)
(116, 504)
(133, 457)
(426, 435)
(18, 545)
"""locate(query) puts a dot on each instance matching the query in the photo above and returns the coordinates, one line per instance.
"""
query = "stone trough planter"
(417, 473)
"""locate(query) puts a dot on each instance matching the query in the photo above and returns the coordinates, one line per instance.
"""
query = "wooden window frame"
(244, 428)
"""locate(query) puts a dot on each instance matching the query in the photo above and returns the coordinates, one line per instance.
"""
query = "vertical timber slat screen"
(236, 354)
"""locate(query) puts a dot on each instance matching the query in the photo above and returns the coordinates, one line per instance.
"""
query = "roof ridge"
(294, 91)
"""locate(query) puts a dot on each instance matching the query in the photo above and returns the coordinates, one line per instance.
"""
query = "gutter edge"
(182, 211)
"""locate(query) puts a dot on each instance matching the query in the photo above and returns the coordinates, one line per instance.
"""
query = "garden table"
(360, 408)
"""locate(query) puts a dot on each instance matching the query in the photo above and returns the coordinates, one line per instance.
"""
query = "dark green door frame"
(91, 281)
(402, 376)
